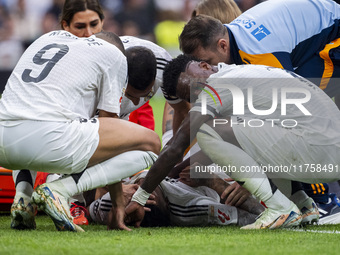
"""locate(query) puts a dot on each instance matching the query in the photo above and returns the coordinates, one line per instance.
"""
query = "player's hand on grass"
(235, 194)
(116, 219)
(134, 213)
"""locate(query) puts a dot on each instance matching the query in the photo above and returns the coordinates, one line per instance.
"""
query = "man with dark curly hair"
(290, 135)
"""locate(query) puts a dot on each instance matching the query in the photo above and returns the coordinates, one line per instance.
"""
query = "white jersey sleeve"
(61, 77)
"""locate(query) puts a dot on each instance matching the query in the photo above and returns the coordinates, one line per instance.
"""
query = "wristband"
(140, 196)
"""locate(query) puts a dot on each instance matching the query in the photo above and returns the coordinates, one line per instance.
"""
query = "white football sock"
(108, 172)
(285, 186)
(300, 198)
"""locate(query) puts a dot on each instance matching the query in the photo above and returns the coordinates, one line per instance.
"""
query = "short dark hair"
(71, 7)
(142, 67)
(172, 72)
(111, 38)
(155, 218)
(201, 31)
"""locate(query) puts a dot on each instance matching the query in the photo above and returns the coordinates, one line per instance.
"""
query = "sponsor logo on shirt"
(260, 32)
(247, 23)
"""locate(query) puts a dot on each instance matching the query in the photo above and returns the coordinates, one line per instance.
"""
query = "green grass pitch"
(157, 103)
(175, 240)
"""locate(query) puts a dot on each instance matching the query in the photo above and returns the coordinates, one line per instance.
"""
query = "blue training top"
(284, 33)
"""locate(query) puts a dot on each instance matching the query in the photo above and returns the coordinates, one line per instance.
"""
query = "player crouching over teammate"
(55, 130)
(315, 140)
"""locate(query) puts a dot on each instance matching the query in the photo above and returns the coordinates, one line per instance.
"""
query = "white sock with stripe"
(226, 154)
(108, 172)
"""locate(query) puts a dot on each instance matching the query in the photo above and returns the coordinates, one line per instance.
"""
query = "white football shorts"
(54, 147)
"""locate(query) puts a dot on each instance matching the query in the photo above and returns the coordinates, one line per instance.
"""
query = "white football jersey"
(188, 206)
(61, 77)
(162, 57)
(271, 94)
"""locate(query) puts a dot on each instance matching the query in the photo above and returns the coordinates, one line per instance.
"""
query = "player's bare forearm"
(173, 153)
(160, 169)
(198, 157)
(116, 194)
(180, 112)
(116, 220)
(168, 117)
(175, 171)
(168, 158)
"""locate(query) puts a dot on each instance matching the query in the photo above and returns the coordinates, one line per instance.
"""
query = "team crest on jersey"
(222, 216)
(260, 32)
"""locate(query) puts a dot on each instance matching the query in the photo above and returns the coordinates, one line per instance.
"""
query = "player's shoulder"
(65, 37)
(59, 36)
(102, 49)
(250, 71)
(54, 40)
(132, 41)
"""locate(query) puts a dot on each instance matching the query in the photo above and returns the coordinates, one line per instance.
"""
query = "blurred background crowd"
(161, 21)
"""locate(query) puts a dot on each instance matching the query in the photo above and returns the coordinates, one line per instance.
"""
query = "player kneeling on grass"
(47, 124)
(297, 134)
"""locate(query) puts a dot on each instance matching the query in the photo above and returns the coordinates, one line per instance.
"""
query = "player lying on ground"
(178, 204)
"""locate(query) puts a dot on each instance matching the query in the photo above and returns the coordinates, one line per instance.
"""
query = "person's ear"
(222, 45)
(64, 25)
(204, 65)
(184, 79)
